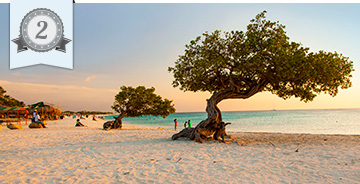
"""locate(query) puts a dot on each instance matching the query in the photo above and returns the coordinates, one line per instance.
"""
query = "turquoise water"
(341, 121)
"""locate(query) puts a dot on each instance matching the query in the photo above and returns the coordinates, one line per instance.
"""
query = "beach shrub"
(240, 64)
(8, 101)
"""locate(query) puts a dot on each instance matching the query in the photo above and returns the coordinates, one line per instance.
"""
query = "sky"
(134, 44)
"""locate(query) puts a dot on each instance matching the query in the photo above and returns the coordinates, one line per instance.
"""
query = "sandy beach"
(65, 154)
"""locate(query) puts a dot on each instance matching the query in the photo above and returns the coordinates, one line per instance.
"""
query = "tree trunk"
(118, 120)
(116, 124)
(214, 125)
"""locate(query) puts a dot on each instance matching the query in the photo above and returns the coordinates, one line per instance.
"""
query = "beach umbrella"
(2, 108)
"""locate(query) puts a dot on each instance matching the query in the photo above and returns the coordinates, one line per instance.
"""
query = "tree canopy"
(140, 101)
(262, 59)
(6, 100)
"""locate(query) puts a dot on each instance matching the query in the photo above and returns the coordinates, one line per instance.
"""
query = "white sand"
(65, 154)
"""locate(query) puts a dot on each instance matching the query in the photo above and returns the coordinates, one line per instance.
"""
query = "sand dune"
(65, 154)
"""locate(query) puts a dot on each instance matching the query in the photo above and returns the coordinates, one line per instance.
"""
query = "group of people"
(36, 119)
(186, 123)
(80, 116)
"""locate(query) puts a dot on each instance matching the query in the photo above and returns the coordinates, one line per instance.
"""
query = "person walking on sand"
(175, 121)
(189, 124)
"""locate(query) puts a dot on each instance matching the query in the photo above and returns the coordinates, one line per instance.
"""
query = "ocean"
(334, 121)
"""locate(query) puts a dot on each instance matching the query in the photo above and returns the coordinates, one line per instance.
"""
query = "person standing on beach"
(189, 124)
(185, 124)
(175, 121)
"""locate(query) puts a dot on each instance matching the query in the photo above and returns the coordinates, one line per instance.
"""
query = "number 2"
(42, 30)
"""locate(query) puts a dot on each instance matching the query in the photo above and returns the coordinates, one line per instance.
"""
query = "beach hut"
(46, 111)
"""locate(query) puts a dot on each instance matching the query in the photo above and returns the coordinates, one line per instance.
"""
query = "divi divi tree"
(139, 101)
(237, 65)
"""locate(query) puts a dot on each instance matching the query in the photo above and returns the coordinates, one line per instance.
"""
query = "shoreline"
(343, 122)
(134, 126)
(65, 154)
(128, 126)
(238, 132)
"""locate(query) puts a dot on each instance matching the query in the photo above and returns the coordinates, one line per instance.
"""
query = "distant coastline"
(275, 110)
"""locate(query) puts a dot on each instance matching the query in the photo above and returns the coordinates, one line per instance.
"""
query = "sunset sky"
(134, 44)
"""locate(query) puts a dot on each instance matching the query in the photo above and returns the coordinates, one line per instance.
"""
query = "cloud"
(16, 74)
(69, 97)
(88, 79)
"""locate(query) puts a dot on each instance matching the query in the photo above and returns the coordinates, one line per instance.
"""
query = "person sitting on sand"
(78, 123)
(94, 118)
(37, 119)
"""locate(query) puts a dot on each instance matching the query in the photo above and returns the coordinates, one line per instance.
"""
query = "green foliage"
(141, 101)
(239, 60)
(8, 101)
